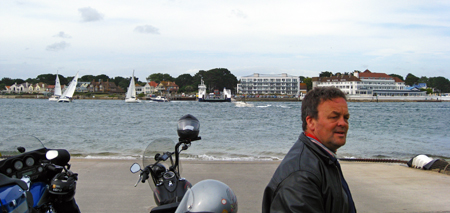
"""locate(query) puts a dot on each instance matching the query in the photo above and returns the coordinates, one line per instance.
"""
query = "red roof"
(153, 84)
(368, 74)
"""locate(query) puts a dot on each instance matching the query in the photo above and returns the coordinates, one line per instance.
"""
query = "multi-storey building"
(269, 84)
(367, 84)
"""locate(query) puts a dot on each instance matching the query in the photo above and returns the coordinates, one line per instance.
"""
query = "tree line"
(217, 78)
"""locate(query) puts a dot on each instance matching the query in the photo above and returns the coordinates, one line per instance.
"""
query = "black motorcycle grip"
(51, 167)
(144, 176)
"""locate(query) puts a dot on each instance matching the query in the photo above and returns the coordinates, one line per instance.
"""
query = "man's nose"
(342, 121)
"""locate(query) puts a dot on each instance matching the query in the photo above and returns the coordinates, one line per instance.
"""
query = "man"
(309, 179)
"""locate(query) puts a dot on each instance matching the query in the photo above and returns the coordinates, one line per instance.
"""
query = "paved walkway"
(108, 185)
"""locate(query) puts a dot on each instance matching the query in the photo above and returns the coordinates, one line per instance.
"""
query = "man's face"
(332, 123)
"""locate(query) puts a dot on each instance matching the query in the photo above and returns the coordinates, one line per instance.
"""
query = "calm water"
(114, 129)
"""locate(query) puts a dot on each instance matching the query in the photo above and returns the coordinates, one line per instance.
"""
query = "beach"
(107, 185)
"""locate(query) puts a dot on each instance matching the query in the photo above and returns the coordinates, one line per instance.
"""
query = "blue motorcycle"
(34, 178)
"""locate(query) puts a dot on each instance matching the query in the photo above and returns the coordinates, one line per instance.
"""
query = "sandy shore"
(108, 185)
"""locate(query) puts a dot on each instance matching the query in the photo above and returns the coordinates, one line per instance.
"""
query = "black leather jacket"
(307, 180)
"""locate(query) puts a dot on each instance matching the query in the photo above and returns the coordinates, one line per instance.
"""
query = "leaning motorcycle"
(172, 193)
(34, 178)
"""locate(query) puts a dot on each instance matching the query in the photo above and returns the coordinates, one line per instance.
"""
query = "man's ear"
(310, 123)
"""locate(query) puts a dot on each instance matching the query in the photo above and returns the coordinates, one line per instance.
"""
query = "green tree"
(32, 80)
(326, 74)
(302, 78)
(398, 76)
(440, 83)
(423, 79)
(87, 78)
(185, 83)
(7, 81)
(411, 79)
(103, 77)
(48, 79)
(308, 82)
(158, 77)
(188, 89)
(216, 79)
(121, 82)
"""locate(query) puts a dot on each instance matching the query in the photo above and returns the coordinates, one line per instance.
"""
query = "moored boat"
(160, 99)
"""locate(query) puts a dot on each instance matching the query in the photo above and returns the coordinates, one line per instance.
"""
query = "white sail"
(130, 96)
(57, 92)
(67, 95)
(57, 86)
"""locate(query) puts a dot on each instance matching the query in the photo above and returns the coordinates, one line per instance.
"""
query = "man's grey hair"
(316, 96)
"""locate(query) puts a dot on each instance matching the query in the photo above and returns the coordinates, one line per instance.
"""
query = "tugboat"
(213, 97)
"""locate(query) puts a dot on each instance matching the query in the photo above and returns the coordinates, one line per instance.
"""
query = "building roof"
(285, 75)
(336, 78)
(398, 79)
(367, 74)
(153, 84)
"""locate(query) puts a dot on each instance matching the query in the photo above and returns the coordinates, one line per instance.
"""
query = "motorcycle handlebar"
(144, 174)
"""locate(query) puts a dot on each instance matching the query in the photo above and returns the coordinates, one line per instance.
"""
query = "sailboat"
(57, 93)
(130, 96)
(67, 95)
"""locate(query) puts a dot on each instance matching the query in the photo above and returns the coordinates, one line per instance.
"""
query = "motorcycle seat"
(5, 180)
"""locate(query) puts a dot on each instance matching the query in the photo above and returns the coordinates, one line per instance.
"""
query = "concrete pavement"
(108, 185)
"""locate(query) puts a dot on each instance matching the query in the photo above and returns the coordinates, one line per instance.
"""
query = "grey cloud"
(62, 35)
(57, 46)
(238, 13)
(90, 14)
(146, 29)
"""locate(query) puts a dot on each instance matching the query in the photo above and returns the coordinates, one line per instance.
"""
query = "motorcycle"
(171, 192)
(162, 167)
(34, 178)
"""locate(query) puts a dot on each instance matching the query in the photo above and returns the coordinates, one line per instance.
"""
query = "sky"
(297, 37)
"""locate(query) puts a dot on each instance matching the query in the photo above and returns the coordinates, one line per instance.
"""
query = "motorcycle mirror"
(157, 156)
(135, 168)
(58, 156)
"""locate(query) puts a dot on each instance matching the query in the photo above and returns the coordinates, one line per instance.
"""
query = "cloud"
(57, 46)
(89, 14)
(62, 35)
(147, 29)
(238, 13)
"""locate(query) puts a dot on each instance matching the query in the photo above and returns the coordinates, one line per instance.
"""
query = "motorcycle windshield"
(18, 144)
(163, 147)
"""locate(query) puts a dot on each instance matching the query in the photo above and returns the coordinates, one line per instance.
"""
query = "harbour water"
(115, 129)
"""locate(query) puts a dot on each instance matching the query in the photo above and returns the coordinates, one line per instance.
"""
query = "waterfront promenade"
(108, 185)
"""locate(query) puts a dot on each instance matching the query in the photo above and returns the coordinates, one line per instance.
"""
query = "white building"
(367, 84)
(269, 84)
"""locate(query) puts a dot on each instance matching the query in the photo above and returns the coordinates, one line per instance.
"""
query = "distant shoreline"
(105, 97)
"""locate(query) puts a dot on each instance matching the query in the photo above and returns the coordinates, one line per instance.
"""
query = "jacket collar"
(317, 148)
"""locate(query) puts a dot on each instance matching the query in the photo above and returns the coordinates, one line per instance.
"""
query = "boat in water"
(67, 96)
(160, 99)
(57, 92)
(225, 96)
(130, 96)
